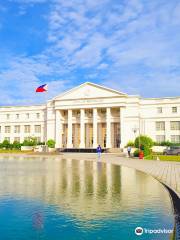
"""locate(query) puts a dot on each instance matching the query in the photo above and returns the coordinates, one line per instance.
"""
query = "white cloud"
(128, 36)
(23, 76)
(130, 45)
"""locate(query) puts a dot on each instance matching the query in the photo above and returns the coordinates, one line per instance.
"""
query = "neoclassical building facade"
(90, 114)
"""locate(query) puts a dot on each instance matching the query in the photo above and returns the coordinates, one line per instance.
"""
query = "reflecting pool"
(68, 199)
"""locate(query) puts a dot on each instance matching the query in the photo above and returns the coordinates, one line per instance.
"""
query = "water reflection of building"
(85, 189)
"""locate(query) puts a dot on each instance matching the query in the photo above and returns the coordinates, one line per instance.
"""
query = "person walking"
(129, 151)
(99, 151)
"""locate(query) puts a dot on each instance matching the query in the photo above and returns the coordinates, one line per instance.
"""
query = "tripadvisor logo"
(139, 231)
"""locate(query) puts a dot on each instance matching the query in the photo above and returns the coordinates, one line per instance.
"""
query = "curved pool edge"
(176, 207)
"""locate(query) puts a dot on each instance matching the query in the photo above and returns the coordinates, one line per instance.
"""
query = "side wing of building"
(20, 123)
(160, 119)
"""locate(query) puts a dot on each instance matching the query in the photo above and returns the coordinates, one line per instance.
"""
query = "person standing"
(129, 151)
(99, 151)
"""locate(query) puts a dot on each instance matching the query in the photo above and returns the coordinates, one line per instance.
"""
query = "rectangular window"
(27, 128)
(17, 129)
(37, 128)
(7, 116)
(159, 110)
(175, 138)
(160, 126)
(0, 129)
(174, 109)
(37, 115)
(17, 116)
(27, 115)
(160, 138)
(17, 139)
(175, 125)
(7, 129)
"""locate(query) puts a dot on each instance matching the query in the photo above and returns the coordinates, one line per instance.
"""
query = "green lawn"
(163, 157)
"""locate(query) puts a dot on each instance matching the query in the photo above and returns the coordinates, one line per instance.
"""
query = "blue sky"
(130, 45)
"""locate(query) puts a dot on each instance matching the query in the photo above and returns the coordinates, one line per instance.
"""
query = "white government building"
(90, 114)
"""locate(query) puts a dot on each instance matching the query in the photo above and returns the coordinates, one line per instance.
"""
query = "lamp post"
(135, 129)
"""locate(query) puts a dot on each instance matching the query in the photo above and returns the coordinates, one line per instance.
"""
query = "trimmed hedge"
(31, 141)
(166, 143)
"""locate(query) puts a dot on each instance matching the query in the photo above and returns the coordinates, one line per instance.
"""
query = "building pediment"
(89, 91)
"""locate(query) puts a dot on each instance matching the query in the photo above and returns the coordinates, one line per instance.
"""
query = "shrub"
(41, 143)
(6, 144)
(51, 143)
(31, 141)
(147, 151)
(145, 144)
(144, 141)
(16, 145)
(130, 144)
(166, 143)
(136, 153)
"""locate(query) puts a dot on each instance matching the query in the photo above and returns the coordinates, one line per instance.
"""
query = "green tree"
(51, 143)
(145, 143)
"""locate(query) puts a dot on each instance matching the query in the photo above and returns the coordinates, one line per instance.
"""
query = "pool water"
(68, 199)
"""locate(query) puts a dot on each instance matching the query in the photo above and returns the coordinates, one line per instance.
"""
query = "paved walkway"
(166, 172)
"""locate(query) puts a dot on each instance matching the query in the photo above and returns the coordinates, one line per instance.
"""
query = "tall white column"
(58, 129)
(108, 127)
(2, 133)
(167, 131)
(122, 127)
(82, 128)
(95, 128)
(69, 140)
